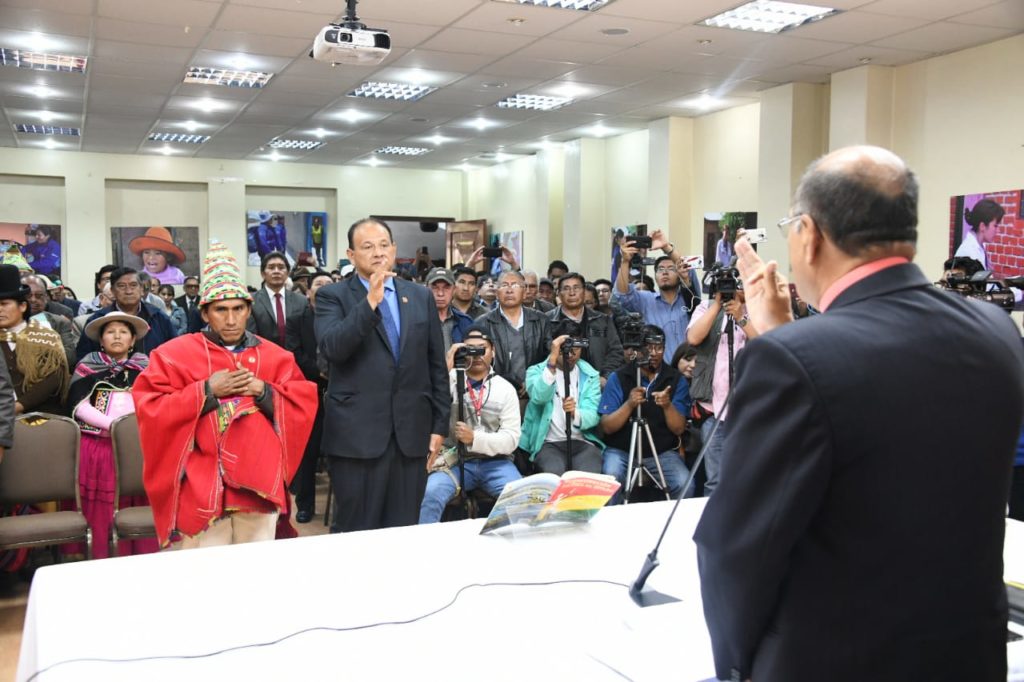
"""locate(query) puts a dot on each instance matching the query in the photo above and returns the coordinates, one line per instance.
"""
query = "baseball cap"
(438, 274)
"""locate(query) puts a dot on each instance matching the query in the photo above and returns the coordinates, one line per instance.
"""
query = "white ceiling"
(139, 51)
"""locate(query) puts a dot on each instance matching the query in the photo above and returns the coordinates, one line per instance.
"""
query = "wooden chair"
(42, 467)
(131, 522)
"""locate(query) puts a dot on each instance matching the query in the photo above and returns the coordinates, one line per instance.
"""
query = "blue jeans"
(617, 461)
(713, 452)
(489, 474)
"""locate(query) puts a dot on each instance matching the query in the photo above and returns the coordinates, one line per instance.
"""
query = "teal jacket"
(537, 420)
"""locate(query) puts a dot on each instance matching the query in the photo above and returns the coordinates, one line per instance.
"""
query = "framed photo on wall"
(167, 254)
(40, 244)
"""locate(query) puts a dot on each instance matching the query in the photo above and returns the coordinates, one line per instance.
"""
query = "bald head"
(861, 197)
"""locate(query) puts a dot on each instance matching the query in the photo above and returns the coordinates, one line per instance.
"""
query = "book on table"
(545, 499)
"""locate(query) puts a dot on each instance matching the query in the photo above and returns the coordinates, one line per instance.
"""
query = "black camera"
(724, 280)
(467, 352)
(633, 331)
(492, 252)
(575, 342)
(981, 286)
(640, 241)
(572, 329)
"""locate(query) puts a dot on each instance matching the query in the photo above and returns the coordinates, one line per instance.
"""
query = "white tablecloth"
(200, 601)
(193, 602)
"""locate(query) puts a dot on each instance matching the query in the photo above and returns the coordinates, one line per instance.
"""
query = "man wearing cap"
(489, 428)
(223, 417)
(128, 298)
(160, 255)
(454, 322)
(387, 401)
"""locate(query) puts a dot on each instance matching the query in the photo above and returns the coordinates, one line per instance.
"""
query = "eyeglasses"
(664, 270)
(509, 285)
(127, 286)
(191, 286)
(571, 290)
(784, 224)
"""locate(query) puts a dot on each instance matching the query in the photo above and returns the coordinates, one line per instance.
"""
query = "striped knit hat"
(222, 278)
(12, 256)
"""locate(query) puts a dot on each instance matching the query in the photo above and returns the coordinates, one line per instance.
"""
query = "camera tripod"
(635, 469)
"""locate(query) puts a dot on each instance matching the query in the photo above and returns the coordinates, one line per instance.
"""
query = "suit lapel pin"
(405, 300)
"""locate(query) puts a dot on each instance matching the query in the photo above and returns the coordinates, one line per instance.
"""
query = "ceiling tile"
(933, 10)
(272, 22)
(536, 21)
(109, 66)
(258, 43)
(53, 42)
(589, 29)
(568, 50)
(476, 42)
(65, 6)
(669, 10)
(99, 83)
(881, 56)
(313, 6)
(45, 22)
(857, 27)
(608, 75)
(238, 60)
(945, 37)
(379, 12)
(781, 49)
(443, 61)
(146, 34)
(194, 13)
(1008, 14)
(517, 66)
(796, 73)
(139, 52)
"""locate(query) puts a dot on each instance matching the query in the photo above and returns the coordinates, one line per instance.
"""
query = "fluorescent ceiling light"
(438, 139)
(352, 115)
(481, 123)
(191, 126)
(584, 5)
(537, 102)
(406, 92)
(319, 132)
(274, 156)
(46, 130)
(41, 61)
(167, 150)
(46, 116)
(598, 130)
(205, 75)
(281, 143)
(50, 143)
(768, 16)
(402, 151)
(208, 105)
(373, 161)
(178, 137)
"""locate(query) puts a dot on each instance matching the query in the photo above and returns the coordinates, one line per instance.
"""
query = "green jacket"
(537, 420)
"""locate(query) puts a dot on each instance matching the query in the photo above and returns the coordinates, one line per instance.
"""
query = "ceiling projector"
(351, 42)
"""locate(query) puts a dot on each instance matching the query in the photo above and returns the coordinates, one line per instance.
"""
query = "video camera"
(566, 327)
(633, 331)
(724, 280)
(982, 286)
(464, 354)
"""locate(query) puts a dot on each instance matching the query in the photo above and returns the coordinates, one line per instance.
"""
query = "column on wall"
(584, 231)
(226, 219)
(86, 236)
(794, 121)
(861, 107)
(670, 180)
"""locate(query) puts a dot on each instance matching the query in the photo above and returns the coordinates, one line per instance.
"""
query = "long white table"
(201, 601)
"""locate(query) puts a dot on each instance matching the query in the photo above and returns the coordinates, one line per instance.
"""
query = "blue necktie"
(390, 328)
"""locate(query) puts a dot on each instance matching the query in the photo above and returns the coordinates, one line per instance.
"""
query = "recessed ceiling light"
(496, 85)
(419, 119)
(584, 5)
(46, 116)
(438, 139)
(516, 21)
(178, 137)
(403, 151)
(319, 132)
(352, 115)
(704, 102)
(33, 129)
(167, 150)
(598, 130)
(191, 126)
(41, 61)
(405, 92)
(282, 143)
(864, 60)
(537, 102)
(274, 156)
(373, 161)
(704, 41)
(50, 143)
(768, 16)
(206, 75)
(43, 92)
(614, 31)
(207, 105)
(481, 123)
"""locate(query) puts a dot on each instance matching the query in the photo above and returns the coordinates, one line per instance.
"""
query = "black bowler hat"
(10, 284)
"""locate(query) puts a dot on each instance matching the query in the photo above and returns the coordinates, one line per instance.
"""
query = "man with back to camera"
(387, 402)
(840, 543)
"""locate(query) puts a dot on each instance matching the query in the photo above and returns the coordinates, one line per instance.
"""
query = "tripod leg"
(631, 471)
(657, 463)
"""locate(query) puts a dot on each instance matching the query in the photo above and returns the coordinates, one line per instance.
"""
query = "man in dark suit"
(273, 301)
(605, 350)
(387, 401)
(849, 537)
(189, 301)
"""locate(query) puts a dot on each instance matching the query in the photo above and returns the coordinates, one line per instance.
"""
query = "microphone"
(636, 590)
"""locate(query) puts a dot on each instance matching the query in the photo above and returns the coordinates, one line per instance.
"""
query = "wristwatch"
(671, 248)
(742, 322)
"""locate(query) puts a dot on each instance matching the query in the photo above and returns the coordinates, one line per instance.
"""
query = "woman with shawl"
(100, 392)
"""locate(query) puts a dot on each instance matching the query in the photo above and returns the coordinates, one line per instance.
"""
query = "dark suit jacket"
(262, 321)
(857, 532)
(368, 397)
(182, 302)
(605, 351)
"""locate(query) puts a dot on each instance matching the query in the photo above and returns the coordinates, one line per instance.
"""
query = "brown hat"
(158, 238)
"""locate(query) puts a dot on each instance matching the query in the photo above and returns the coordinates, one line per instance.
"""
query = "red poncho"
(192, 462)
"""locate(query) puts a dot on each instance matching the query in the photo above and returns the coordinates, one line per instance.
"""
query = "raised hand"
(767, 291)
(376, 293)
(658, 240)
(663, 398)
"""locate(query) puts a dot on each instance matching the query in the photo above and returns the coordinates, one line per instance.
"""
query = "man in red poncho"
(224, 417)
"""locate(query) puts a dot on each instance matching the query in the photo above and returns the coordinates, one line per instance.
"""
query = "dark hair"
(267, 257)
(560, 264)
(653, 330)
(965, 263)
(463, 270)
(854, 212)
(543, 281)
(683, 350)
(131, 328)
(99, 273)
(567, 327)
(984, 212)
(591, 288)
(118, 273)
(572, 275)
(649, 283)
(45, 229)
(363, 221)
(484, 277)
(659, 260)
(599, 282)
(165, 287)
(185, 281)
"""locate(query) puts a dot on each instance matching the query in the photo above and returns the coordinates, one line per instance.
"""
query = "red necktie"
(280, 320)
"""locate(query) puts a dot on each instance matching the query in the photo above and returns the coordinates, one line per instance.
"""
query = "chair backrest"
(43, 463)
(124, 435)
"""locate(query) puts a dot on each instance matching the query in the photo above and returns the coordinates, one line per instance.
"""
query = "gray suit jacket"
(369, 398)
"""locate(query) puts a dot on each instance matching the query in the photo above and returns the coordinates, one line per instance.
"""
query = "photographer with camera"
(486, 432)
(544, 431)
(604, 350)
(719, 330)
(663, 396)
(667, 308)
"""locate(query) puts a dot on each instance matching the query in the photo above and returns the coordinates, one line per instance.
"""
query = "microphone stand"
(460, 447)
(636, 590)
